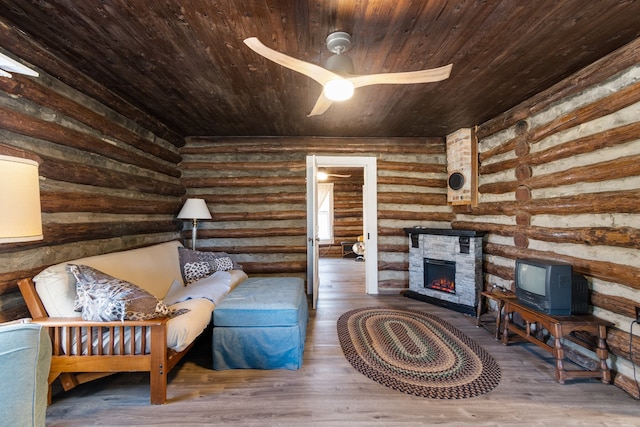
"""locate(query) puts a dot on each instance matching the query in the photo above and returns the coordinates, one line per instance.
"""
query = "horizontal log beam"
(57, 202)
(605, 202)
(13, 313)
(416, 216)
(503, 148)
(417, 182)
(47, 97)
(393, 266)
(601, 107)
(393, 248)
(290, 166)
(77, 232)
(77, 173)
(209, 233)
(630, 385)
(260, 198)
(625, 237)
(623, 167)
(399, 285)
(412, 167)
(586, 144)
(258, 216)
(317, 145)
(244, 181)
(9, 280)
(618, 343)
(391, 231)
(58, 233)
(615, 304)
(257, 249)
(413, 198)
(31, 126)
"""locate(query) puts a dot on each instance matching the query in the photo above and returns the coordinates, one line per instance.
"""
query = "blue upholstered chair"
(25, 359)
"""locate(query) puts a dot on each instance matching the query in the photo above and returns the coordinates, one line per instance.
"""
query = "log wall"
(255, 189)
(560, 180)
(108, 180)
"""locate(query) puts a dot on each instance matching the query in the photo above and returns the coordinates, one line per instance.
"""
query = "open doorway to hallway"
(369, 217)
(340, 218)
(341, 209)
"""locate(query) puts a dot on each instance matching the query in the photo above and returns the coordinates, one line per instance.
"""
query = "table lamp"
(194, 209)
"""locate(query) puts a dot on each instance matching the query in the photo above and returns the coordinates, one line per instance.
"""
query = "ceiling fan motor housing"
(340, 64)
(339, 42)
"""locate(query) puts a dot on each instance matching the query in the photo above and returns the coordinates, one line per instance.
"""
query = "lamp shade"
(20, 217)
(194, 209)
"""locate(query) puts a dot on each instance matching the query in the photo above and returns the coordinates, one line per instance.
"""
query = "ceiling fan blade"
(410, 77)
(317, 73)
(338, 175)
(322, 104)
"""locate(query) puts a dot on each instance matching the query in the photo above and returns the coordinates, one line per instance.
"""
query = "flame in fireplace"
(440, 275)
(444, 285)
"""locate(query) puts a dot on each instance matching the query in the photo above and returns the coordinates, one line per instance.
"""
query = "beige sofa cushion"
(153, 268)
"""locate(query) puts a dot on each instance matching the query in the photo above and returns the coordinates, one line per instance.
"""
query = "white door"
(313, 240)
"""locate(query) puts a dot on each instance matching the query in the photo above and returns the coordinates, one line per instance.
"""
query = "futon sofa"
(121, 337)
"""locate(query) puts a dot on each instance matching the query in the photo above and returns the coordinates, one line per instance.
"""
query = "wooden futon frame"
(78, 368)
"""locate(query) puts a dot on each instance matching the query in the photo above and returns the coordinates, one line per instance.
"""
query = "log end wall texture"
(109, 177)
(256, 191)
(558, 179)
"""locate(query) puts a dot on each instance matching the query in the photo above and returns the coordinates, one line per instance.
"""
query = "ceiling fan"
(338, 78)
(322, 175)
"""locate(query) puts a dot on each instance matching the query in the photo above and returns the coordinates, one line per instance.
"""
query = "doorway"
(370, 225)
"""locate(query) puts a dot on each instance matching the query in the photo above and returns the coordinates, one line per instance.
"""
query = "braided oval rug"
(416, 353)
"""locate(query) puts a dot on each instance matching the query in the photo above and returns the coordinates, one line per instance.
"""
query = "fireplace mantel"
(443, 232)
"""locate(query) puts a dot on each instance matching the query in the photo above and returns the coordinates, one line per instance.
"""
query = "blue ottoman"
(261, 324)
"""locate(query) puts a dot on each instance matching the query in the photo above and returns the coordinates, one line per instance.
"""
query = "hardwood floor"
(328, 391)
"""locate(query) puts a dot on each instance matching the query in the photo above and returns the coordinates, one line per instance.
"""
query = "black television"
(551, 287)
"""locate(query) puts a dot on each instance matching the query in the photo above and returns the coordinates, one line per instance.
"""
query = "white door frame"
(369, 212)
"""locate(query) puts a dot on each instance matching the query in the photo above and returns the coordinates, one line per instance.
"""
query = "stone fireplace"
(445, 267)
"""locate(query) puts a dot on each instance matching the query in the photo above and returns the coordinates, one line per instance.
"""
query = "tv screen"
(532, 278)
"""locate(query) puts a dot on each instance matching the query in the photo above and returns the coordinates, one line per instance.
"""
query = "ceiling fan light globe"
(338, 89)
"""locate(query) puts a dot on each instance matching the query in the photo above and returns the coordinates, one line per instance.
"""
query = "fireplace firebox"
(440, 275)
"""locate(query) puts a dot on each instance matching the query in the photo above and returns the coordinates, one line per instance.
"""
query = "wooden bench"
(560, 328)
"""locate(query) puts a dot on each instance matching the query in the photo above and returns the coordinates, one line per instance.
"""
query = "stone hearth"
(462, 247)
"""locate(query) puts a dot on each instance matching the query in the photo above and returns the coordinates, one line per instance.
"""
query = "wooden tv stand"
(560, 327)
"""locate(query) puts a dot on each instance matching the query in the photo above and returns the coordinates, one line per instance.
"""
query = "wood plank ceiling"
(185, 63)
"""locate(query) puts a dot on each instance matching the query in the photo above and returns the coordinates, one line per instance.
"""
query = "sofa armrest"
(76, 321)
(104, 338)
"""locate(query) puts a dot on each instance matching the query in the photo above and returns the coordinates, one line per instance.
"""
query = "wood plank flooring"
(327, 391)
